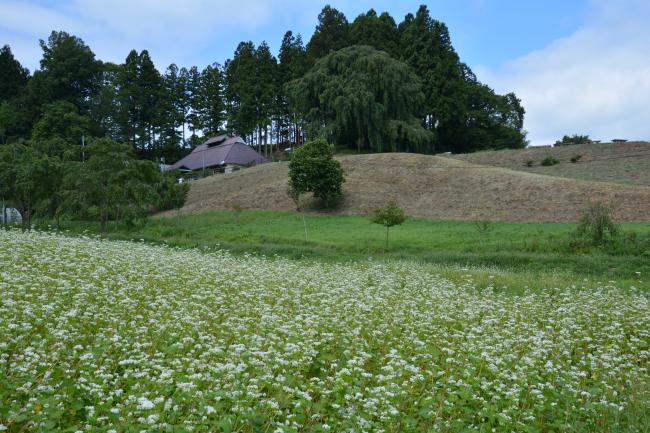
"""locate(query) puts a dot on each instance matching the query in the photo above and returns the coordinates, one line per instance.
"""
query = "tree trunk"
(387, 236)
(117, 217)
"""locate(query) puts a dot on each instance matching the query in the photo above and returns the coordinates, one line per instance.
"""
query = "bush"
(574, 139)
(550, 160)
(314, 169)
(576, 158)
(597, 224)
(530, 163)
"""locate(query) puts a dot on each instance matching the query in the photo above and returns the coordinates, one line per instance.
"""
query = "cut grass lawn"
(521, 254)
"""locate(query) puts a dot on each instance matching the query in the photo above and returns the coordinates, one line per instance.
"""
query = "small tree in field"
(314, 169)
(390, 215)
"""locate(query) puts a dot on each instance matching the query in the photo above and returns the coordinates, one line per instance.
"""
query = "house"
(221, 154)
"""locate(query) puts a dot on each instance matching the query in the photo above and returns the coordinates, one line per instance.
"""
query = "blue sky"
(580, 66)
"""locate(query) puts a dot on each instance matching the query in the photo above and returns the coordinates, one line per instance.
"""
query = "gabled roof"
(220, 150)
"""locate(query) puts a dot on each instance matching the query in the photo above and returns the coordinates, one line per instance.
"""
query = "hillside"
(627, 163)
(428, 187)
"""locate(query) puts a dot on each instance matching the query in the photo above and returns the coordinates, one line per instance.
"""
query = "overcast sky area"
(579, 66)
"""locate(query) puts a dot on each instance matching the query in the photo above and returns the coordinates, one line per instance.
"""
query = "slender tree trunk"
(117, 217)
(387, 237)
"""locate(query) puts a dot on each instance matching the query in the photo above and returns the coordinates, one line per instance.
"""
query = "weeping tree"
(363, 98)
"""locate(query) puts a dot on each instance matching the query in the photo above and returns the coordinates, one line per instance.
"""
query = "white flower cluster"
(100, 336)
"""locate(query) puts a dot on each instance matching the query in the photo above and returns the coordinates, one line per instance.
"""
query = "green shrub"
(597, 224)
(576, 158)
(530, 163)
(550, 160)
(313, 169)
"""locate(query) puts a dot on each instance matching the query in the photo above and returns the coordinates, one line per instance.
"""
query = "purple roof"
(220, 150)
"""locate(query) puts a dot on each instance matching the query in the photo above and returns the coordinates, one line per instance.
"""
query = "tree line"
(370, 85)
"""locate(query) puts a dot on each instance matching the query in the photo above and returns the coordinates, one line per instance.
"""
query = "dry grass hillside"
(428, 187)
(627, 163)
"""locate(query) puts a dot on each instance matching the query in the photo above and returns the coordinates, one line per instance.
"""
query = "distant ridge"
(627, 162)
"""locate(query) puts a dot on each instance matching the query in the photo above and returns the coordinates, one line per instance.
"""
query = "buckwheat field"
(104, 336)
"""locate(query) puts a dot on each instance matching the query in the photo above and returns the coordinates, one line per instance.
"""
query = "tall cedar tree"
(13, 77)
(241, 81)
(332, 33)
(379, 32)
(265, 92)
(293, 64)
(139, 94)
(211, 107)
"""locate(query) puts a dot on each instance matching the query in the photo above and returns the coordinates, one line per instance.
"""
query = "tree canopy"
(370, 84)
(314, 169)
(364, 96)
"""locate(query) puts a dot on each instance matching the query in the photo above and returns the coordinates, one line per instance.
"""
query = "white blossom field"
(106, 336)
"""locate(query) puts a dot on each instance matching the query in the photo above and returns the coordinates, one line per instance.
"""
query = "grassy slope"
(627, 163)
(428, 187)
(526, 253)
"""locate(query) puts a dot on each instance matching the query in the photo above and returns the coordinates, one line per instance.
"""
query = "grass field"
(625, 163)
(433, 187)
(517, 253)
(107, 336)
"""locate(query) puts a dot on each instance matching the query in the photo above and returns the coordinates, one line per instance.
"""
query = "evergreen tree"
(211, 107)
(332, 33)
(241, 81)
(104, 106)
(194, 118)
(139, 94)
(379, 32)
(13, 77)
(265, 92)
(293, 64)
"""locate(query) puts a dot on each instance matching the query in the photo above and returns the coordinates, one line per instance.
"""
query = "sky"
(579, 66)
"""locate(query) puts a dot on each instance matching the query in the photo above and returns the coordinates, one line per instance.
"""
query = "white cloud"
(172, 30)
(596, 81)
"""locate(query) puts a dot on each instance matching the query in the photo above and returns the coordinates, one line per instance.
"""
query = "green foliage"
(576, 158)
(574, 139)
(171, 194)
(394, 333)
(379, 32)
(68, 70)
(140, 90)
(464, 114)
(21, 181)
(13, 77)
(597, 224)
(314, 169)
(549, 160)
(388, 216)
(530, 163)
(483, 227)
(332, 33)
(365, 99)
(61, 120)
